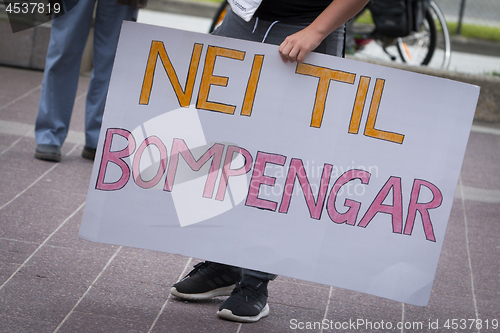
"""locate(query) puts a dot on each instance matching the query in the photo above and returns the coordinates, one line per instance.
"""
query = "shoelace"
(247, 291)
(200, 267)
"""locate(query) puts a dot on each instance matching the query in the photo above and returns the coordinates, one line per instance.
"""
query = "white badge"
(244, 8)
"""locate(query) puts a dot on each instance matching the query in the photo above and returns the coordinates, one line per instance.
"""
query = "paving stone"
(23, 325)
(481, 166)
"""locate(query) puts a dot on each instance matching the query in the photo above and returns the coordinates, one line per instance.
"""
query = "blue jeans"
(68, 37)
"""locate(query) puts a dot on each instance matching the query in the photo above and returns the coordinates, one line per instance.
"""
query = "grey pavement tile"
(19, 169)
(453, 270)
(298, 295)
(291, 301)
(55, 265)
(15, 252)
(132, 288)
(455, 240)
(37, 298)
(363, 317)
(483, 218)
(67, 236)
(99, 323)
(38, 222)
(125, 301)
(72, 177)
(345, 296)
(6, 270)
(135, 253)
(23, 110)
(158, 269)
(486, 271)
(32, 219)
(456, 219)
(50, 284)
(6, 141)
(182, 316)
(285, 318)
(16, 82)
(484, 244)
(487, 304)
(23, 325)
(453, 278)
(481, 166)
(22, 153)
(442, 307)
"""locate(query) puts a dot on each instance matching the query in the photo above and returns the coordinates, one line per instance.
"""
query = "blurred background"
(474, 27)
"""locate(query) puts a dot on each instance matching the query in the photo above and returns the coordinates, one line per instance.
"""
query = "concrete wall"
(28, 48)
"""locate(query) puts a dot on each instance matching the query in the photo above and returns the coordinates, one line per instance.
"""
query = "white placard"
(333, 171)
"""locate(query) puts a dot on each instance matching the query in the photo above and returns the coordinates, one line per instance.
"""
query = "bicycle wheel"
(418, 47)
(442, 53)
(219, 16)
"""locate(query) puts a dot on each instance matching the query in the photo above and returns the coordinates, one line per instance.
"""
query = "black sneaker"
(248, 302)
(207, 280)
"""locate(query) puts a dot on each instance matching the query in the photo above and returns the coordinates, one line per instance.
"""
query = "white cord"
(269, 29)
(255, 26)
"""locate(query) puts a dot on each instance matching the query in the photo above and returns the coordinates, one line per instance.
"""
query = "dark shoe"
(207, 280)
(88, 153)
(48, 153)
(247, 303)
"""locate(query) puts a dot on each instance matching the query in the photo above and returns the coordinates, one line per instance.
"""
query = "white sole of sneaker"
(225, 291)
(227, 314)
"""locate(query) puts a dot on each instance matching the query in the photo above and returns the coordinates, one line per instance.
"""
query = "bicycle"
(428, 44)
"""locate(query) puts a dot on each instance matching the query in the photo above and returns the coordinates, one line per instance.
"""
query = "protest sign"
(333, 171)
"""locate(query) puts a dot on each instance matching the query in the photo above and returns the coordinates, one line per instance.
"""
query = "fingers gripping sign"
(295, 47)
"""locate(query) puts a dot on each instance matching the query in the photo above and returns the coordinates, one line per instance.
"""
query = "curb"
(475, 46)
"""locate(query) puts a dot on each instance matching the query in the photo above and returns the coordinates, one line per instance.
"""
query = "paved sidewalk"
(51, 281)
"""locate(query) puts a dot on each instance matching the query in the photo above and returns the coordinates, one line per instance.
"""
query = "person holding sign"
(298, 27)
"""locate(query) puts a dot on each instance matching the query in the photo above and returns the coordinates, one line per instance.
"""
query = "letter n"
(158, 50)
(297, 170)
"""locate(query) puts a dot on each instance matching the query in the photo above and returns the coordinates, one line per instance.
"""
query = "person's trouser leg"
(62, 67)
(108, 23)
(257, 274)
